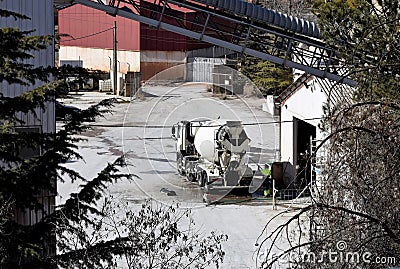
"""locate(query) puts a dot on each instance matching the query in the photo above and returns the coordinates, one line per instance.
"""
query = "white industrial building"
(299, 110)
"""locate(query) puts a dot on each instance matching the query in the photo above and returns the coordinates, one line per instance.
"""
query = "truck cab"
(186, 154)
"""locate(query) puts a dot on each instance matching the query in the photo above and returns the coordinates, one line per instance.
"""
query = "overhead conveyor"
(264, 15)
(239, 26)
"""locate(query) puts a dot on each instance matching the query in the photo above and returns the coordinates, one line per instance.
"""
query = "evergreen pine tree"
(25, 178)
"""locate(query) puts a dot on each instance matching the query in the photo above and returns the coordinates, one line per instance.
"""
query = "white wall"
(95, 58)
(150, 56)
(305, 104)
(99, 59)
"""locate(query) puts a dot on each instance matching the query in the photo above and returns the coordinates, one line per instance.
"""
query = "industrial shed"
(299, 111)
(89, 40)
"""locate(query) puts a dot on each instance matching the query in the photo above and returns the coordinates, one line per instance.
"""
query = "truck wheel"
(179, 164)
(180, 170)
(191, 177)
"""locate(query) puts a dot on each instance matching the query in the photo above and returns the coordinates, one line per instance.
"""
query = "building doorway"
(302, 136)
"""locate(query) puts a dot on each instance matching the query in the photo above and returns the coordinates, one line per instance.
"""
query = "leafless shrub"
(147, 236)
(355, 211)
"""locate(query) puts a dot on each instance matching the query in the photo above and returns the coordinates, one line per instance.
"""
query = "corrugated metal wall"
(162, 40)
(149, 70)
(202, 69)
(90, 28)
(42, 22)
(153, 62)
(153, 39)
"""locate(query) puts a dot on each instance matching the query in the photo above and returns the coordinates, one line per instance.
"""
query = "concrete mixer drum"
(215, 158)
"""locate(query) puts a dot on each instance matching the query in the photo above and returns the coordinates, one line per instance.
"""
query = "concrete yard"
(140, 128)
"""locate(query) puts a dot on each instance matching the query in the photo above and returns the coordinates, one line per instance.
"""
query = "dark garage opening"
(302, 136)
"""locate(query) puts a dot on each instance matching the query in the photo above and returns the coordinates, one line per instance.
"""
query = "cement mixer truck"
(212, 153)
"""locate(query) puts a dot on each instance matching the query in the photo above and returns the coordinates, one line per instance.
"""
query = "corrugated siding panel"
(29, 217)
(90, 28)
(149, 70)
(87, 28)
(153, 39)
(41, 14)
(193, 44)
(158, 39)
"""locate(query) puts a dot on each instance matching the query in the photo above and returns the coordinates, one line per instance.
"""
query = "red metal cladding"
(158, 39)
(172, 6)
(149, 70)
(90, 28)
(153, 39)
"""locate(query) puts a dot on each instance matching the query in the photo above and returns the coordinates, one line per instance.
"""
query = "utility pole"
(115, 60)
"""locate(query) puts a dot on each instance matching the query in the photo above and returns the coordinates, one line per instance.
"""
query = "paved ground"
(141, 129)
